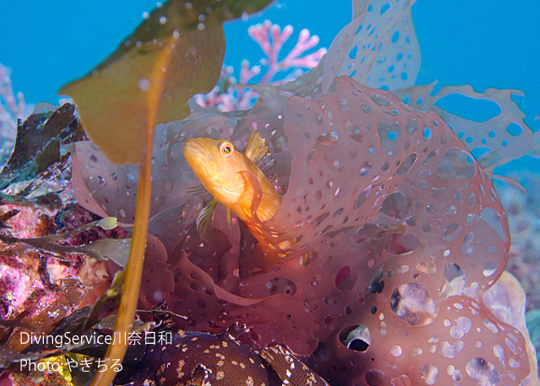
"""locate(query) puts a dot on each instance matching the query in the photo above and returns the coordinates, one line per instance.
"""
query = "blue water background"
(483, 43)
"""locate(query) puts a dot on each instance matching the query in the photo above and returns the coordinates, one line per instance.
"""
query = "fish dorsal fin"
(255, 148)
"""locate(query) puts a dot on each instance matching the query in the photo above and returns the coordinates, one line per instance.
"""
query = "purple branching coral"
(271, 38)
(12, 106)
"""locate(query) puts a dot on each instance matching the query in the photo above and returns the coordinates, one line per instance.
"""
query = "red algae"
(390, 234)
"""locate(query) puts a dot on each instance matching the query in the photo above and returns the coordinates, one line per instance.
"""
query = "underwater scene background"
(45, 233)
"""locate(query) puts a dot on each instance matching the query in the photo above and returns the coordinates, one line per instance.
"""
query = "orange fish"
(233, 179)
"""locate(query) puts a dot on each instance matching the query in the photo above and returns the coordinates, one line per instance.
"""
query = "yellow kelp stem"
(134, 267)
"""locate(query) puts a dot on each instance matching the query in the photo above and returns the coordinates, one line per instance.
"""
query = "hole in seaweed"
(362, 197)
(375, 377)
(321, 352)
(376, 285)
(427, 133)
(389, 134)
(353, 52)
(364, 169)
(451, 232)
(430, 374)
(493, 219)
(308, 258)
(355, 338)
(320, 219)
(483, 372)
(456, 164)
(413, 126)
(401, 244)
(354, 131)
(490, 268)
(455, 279)
(453, 272)
(281, 285)
(407, 164)
(345, 279)
(395, 205)
(413, 304)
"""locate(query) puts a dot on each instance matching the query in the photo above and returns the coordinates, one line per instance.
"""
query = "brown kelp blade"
(114, 98)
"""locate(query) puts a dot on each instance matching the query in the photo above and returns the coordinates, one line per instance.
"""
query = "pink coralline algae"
(270, 38)
(384, 264)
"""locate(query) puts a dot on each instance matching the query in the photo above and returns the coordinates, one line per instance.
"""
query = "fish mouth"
(194, 148)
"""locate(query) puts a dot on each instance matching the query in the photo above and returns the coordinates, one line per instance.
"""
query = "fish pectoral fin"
(229, 216)
(250, 203)
(204, 217)
(255, 148)
(260, 205)
(269, 206)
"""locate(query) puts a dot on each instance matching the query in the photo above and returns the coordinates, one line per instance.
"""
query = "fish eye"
(226, 148)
